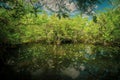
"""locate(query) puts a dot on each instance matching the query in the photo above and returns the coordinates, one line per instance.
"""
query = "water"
(63, 62)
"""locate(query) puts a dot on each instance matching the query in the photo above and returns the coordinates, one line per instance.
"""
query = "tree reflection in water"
(62, 62)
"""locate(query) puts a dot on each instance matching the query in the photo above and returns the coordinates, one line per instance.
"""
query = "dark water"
(61, 62)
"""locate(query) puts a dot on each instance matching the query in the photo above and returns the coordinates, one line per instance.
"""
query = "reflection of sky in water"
(79, 61)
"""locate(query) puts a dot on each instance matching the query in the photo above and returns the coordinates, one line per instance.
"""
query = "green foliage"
(51, 29)
(8, 30)
(25, 27)
(10, 20)
(109, 26)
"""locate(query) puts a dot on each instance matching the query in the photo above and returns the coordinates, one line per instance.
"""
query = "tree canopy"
(57, 6)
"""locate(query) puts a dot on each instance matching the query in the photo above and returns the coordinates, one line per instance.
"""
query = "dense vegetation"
(31, 41)
(51, 29)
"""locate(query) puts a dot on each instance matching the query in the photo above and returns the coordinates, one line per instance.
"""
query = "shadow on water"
(60, 62)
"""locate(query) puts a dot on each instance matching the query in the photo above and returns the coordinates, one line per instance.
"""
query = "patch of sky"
(98, 8)
(102, 7)
(4, 5)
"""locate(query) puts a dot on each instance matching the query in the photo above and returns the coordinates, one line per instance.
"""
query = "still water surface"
(66, 62)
